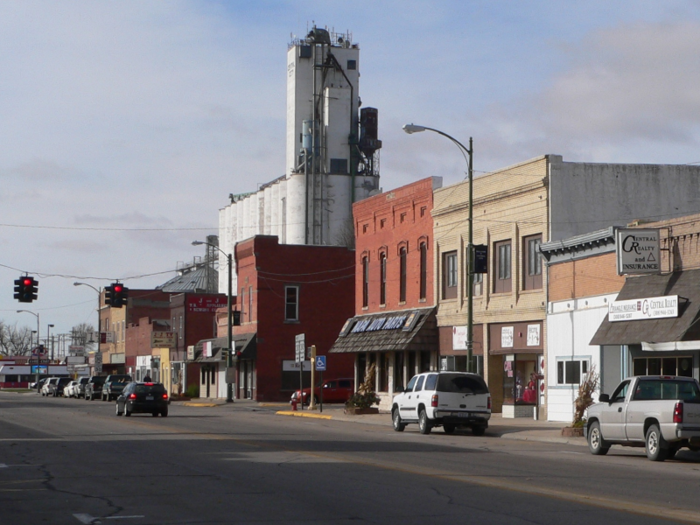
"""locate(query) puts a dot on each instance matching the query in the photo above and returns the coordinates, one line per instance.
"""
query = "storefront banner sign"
(507, 337)
(533, 335)
(459, 338)
(645, 308)
(163, 339)
(206, 304)
(638, 251)
(292, 366)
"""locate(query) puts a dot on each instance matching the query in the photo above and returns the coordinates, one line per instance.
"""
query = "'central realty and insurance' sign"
(646, 308)
(638, 251)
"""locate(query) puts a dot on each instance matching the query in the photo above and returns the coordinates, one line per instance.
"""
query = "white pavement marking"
(88, 520)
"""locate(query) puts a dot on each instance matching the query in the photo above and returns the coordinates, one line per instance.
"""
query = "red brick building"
(285, 290)
(394, 325)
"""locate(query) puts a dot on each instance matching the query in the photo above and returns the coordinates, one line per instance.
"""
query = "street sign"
(300, 347)
(320, 363)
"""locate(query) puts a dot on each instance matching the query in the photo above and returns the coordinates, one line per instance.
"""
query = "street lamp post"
(411, 128)
(229, 301)
(37, 339)
(48, 339)
(99, 321)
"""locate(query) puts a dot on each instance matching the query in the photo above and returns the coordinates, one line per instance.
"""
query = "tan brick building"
(543, 200)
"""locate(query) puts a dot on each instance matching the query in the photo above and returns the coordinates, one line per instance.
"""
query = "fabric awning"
(244, 344)
(413, 330)
(651, 332)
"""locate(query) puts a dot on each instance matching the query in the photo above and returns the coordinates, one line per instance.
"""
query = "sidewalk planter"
(358, 411)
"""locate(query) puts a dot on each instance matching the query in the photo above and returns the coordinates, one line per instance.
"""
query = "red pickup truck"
(334, 391)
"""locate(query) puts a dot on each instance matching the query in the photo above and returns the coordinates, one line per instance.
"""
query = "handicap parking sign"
(320, 363)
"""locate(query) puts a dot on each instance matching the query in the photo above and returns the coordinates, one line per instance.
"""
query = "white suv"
(447, 399)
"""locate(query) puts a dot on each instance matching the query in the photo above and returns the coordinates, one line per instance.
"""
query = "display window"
(520, 377)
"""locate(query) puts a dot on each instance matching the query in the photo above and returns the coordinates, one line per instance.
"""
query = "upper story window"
(243, 305)
(250, 303)
(365, 281)
(402, 275)
(502, 282)
(382, 278)
(449, 275)
(291, 303)
(532, 262)
(423, 270)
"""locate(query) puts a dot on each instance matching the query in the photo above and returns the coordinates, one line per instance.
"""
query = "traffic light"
(120, 293)
(109, 295)
(26, 289)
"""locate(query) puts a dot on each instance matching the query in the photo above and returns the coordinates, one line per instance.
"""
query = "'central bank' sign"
(638, 251)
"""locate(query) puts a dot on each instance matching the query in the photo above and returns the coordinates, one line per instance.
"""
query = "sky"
(125, 125)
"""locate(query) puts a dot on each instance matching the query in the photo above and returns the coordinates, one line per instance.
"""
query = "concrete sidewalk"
(525, 429)
(508, 428)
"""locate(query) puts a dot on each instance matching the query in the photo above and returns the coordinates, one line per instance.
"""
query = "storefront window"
(398, 371)
(668, 366)
(520, 379)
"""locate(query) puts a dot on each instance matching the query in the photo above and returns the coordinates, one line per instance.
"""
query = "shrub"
(585, 397)
(192, 391)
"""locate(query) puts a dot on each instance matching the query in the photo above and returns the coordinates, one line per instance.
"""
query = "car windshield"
(461, 384)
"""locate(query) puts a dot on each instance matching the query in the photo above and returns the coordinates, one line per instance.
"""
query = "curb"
(302, 414)
(190, 404)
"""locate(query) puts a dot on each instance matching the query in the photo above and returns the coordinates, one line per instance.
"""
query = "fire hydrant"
(294, 403)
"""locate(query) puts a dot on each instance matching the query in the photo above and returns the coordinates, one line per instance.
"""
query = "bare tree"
(84, 335)
(14, 340)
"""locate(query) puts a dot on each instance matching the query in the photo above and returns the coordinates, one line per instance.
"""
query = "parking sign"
(320, 363)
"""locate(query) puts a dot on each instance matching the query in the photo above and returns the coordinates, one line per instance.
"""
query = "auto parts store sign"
(638, 251)
(647, 308)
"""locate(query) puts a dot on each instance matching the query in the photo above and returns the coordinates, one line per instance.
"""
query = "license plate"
(464, 414)
(149, 398)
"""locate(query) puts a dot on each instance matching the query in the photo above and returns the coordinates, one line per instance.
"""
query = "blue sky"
(125, 125)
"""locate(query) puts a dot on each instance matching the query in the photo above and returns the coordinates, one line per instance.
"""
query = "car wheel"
(479, 430)
(164, 413)
(118, 412)
(399, 425)
(127, 412)
(596, 443)
(154, 413)
(423, 423)
(448, 429)
(655, 444)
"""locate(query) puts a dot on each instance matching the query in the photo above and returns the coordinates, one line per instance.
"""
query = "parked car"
(93, 388)
(80, 388)
(39, 384)
(47, 386)
(69, 390)
(660, 413)
(447, 399)
(114, 384)
(333, 391)
(143, 398)
(56, 388)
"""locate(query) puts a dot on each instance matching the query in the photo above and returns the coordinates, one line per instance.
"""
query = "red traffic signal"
(26, 289)
(116, 295)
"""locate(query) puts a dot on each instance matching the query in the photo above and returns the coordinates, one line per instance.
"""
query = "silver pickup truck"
(661, 413)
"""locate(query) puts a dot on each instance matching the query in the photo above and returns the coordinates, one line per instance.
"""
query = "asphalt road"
(72, 461)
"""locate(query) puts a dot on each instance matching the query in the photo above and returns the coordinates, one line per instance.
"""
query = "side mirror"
(604, 398)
